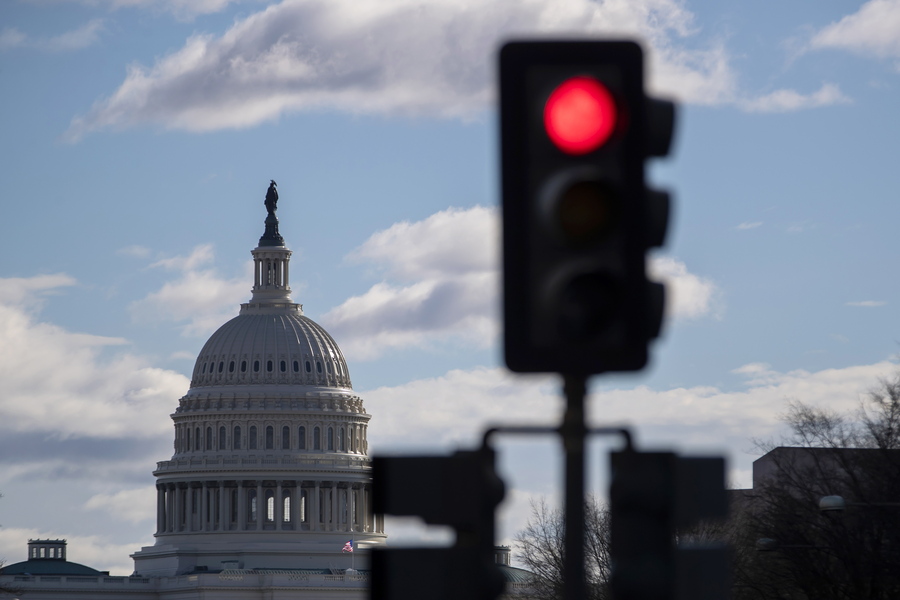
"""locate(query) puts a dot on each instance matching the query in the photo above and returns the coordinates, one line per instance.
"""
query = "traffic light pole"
(573, 433)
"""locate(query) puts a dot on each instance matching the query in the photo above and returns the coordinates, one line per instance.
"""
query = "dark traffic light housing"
(578, 219)
(461, 490)
(654, 496)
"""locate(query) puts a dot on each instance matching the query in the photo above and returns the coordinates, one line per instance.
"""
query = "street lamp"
(837, 503)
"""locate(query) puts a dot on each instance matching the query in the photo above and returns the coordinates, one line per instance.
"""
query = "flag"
(348, 547)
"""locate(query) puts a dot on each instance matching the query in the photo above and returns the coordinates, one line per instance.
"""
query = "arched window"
(209, 438)
(286, 506)
(237, 437)
(270, 437)
(317, 439)
(308, 367)
(296, 366)
(187, 445)
(222, 437)
(196, 438)
(270, 506)
(285, 437)
(303, 497)
(256, 366)
(231, 367)
(269, 366)
(301, 438)
(221, 365)
(331, 438)
(204, 368)
(234, 506)
(318, 367)
(283, 366)
(252, 444)
(243, 366)
(251, 506)
(341, 439)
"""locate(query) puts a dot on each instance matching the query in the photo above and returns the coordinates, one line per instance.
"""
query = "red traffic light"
(580, 115)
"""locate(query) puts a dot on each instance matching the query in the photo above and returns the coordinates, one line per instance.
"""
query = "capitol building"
(268, 493)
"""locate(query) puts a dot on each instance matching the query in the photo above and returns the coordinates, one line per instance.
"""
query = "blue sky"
(137, 139)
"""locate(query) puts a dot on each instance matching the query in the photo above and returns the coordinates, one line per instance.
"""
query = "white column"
(315, 516)
(160, 508)
(204, 513)
(242, 506)
(335, 514)
(224, 497)
(261, 507)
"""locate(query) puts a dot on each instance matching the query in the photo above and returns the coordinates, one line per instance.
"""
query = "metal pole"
(573, 433)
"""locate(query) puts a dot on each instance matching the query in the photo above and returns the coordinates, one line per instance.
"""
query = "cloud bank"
(441, 285)
(396, 57)
(870, 31)
(198, 299)
(454, 409)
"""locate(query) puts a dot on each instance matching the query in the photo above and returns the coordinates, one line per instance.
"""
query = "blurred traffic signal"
(576, 131)
(653, 496)
(461, 490)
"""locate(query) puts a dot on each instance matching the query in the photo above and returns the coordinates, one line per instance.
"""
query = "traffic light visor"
(580, 115)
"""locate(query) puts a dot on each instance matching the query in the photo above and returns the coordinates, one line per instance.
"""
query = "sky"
(138, 137)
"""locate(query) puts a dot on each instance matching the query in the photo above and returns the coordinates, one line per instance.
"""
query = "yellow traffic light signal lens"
(586, 211)
(580, 115)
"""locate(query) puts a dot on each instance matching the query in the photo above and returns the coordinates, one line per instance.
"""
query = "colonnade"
(271, 271)
(265, 505)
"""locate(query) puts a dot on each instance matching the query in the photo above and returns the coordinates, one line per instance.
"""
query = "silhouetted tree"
(848, 555)
(540, 548)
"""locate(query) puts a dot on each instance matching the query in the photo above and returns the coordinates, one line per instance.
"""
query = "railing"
(224, 579)
(352, 462)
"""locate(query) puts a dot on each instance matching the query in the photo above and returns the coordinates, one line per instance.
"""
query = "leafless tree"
(540, 548)
(846, 555)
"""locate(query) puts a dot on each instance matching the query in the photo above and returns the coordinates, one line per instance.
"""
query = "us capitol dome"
(270, 469)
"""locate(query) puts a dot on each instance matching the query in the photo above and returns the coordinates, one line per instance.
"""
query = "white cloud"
(82, 37)
(133, 505)
(790, 100)
(442, 286)
(11, 37)
(199, 298)
(25, 292)
(872, 30)
(135, 251)
(453, 410)
(867, 303)
(447, 268)
(688, 296)
(386, 57)
(750, 225)
(56, 382)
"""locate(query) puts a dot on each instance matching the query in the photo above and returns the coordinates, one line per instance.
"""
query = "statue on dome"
(272, 198)
(271, 237)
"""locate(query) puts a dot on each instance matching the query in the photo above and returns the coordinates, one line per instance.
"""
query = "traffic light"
(576, 130)
(653, 495)
(462, 491)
